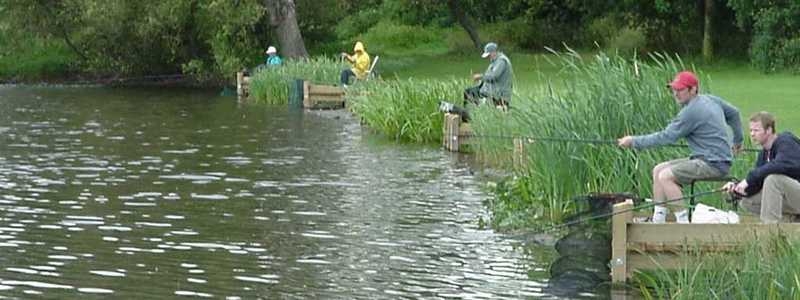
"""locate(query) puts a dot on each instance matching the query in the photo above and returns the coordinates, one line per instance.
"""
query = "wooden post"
(464, 133)
(306, 100)
(445, 133)
(239, 83)
(623, 214)
(519, 158)
(451, 139)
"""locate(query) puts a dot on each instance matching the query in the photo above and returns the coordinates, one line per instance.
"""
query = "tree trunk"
(190, 34)
(283, 18)
(61, 29)
(461, 16)
(708, 31)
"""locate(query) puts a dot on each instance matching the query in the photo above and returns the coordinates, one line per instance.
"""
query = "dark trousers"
(473, 95)
(461, 111)
(346, 75)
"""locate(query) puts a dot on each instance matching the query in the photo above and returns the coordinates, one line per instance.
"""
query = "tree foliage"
(148, 36)
(215, 37)
(775, 25)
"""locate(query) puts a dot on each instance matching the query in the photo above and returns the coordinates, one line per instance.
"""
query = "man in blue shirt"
(703, 120)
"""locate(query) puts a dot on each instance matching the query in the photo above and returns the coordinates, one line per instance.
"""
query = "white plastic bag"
(704, 214)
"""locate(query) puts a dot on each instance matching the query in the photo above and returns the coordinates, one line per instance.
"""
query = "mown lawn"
(754, 91)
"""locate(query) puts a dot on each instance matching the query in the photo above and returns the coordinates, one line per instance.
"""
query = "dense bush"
(628, 41)
(774, 25)
(388, 38)
(790, 55)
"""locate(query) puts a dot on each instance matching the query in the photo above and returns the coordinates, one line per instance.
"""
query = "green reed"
(768, 268)
(270, 85)
(601, 98)
(405, 109)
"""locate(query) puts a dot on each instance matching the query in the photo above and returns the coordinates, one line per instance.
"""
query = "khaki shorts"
(687, 170)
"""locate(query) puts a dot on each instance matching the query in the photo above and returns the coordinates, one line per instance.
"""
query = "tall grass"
(405, 109)
(271, 85)
(768, 268)
(601, 98)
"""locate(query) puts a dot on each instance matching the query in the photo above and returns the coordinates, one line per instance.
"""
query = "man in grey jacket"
(702, 121)
(496, 83)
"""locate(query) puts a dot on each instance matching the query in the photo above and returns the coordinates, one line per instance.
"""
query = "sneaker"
(344, 86)
(682, 217)
(445, 106)
(659, 214)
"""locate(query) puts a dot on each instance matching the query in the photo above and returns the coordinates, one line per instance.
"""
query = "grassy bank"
(595, 103)
(591, 96)
(404, 109)
(584, 107)
(764, 269)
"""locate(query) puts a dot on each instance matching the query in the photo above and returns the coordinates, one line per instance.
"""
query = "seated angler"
(495, 84)
(772, 188)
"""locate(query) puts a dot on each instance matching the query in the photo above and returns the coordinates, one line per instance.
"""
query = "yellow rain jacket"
(360, 61)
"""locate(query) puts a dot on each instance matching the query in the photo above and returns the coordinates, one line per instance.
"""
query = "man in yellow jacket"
(360, 61)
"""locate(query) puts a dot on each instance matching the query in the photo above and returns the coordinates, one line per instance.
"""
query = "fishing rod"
(646, 205)
(577, 140)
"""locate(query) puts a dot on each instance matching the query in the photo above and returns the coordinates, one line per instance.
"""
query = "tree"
(44, 19)
(283, 18)
(775, 25)
(708, 31)
(461, 16)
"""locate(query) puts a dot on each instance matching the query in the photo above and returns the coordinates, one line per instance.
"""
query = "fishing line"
(574, 140)
(642, 206)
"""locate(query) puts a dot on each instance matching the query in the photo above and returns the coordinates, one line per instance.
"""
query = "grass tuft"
(271, 85)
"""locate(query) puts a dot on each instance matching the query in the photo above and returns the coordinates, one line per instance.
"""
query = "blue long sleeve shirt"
(702, 121)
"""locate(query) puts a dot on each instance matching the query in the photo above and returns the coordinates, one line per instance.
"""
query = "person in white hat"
(272, 57)
(496, 83)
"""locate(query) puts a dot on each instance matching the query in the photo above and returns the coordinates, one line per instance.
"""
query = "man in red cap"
(703, 121)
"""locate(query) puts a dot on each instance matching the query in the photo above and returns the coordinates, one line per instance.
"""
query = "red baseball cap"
(683, 80)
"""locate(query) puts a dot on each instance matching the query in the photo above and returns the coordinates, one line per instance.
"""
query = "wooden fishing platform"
(456, 133)
(648, 246)
(320, 96)
(242, 85)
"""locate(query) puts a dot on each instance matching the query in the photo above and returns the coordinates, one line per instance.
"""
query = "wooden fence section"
(322, 96)
(643, 246)
(242, 85)
(456, 134)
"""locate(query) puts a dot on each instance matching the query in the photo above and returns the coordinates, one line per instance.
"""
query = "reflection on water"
(160, 194)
